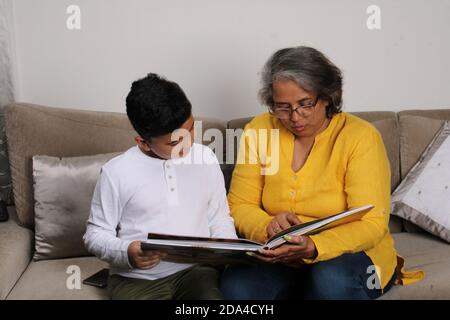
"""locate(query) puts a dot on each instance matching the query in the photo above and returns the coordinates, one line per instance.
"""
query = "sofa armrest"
(16, 249)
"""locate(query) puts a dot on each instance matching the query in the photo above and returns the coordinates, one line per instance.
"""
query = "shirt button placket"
(292, 193)
(170, 177)
(171, 181)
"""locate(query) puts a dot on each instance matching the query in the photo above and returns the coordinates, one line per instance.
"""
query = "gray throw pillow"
(63, 190)
(423, 197)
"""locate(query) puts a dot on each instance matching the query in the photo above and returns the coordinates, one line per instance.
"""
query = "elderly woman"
(329, 161)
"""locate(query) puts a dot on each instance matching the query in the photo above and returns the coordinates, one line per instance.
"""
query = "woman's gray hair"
(310, 69)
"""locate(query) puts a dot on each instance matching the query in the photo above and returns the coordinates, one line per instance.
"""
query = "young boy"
(148, 189)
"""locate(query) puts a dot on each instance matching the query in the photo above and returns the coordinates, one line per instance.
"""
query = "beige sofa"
(38, 130)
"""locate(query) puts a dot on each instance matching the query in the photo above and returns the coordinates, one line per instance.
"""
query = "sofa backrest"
(38, 130)
(417, 128)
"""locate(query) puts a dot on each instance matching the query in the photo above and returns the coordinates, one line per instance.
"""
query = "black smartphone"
(99, 279)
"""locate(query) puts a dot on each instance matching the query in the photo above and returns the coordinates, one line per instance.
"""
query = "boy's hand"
(143, 259)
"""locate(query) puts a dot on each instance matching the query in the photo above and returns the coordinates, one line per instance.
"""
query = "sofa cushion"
(416, 133)
(59, 132)
(417, 128)
(239, 123)
(234, 132)
(387, 125)
(395, 224)
(422, 197)
(63, 189)
(16, 247)
(439, 114)
(428, 253)
(48, 279)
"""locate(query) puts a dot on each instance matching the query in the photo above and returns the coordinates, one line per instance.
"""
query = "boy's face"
(172, 145)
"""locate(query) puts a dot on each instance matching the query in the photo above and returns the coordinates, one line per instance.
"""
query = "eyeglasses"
(305, 109)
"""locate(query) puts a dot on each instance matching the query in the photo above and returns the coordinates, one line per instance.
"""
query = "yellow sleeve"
(245, 195)
(367, 181)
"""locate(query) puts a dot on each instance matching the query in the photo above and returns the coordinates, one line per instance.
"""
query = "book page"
(318, 225)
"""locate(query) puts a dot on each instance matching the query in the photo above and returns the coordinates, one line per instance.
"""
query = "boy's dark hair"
(156, 106)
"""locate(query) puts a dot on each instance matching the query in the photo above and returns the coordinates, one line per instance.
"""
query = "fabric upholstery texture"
(417, 129)
(16, 249)
(48, 280)
(416, 133)
(427, 253)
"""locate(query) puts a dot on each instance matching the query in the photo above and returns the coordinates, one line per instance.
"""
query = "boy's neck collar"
(150, 155)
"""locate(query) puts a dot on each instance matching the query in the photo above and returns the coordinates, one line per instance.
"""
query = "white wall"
(215, 50)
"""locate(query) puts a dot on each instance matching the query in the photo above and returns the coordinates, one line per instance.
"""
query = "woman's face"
(287, 93)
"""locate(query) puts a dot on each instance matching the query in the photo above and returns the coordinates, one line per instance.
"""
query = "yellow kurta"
(346, 168)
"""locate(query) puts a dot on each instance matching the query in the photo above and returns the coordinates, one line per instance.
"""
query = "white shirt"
(137, 194)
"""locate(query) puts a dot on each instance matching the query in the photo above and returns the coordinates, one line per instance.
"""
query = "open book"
(198, 249)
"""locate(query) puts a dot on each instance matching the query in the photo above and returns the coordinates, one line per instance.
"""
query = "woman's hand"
(281, 222)
(298, 248)
(143, 259)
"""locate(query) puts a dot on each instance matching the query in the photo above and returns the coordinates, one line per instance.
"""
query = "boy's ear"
(142, 143)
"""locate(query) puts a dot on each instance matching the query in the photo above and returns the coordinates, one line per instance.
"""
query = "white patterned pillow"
(423, 197)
